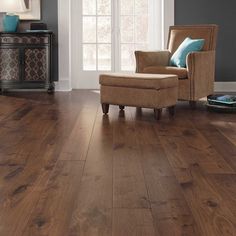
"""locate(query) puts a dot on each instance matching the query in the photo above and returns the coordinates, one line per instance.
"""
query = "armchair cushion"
(182, 73)
(187, 46)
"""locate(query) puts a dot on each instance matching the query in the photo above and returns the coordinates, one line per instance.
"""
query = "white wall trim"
(64, 45)
(225, 87)
(63, 85)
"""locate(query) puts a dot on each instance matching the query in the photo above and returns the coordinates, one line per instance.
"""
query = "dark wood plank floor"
(67, 170)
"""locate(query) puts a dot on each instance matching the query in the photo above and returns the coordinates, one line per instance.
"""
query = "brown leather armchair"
(197, 80)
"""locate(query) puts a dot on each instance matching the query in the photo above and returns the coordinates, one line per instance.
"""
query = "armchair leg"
(171, 110)
(105, 108)
(157, 113)
(193, 104)
(122, 107)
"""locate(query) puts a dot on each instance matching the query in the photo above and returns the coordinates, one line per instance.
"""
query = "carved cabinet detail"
(36, 64)
(9, 64)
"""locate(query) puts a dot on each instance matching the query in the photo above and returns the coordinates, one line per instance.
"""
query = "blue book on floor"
(222, 100)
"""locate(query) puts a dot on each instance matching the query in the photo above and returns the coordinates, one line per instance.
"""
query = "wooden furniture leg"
(157, 113)
(105, 108)
(171, 110)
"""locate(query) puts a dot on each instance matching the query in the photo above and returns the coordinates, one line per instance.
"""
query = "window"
(113, 30)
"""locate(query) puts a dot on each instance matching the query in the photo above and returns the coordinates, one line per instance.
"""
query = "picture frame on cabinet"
(33, 10)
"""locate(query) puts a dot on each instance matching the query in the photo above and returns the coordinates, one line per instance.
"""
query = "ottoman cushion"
(136, 80)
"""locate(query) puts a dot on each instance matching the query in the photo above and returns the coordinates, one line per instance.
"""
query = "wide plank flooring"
(68, 170)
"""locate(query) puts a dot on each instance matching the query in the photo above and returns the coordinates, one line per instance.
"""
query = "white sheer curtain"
(151, 21)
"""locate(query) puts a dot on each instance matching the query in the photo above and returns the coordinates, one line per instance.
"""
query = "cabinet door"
(9, 64)
(36, 64)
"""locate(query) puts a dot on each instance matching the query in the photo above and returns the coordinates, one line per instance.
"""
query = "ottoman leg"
(122, 107)
(157, 113)
(171, 110)
(105, 108)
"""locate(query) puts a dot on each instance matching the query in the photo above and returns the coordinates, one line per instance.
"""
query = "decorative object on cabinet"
(33, 10)
(11, 19)
(38, 26)
(26, 61)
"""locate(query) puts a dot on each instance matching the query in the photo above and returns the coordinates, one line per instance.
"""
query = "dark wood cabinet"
(26, 61)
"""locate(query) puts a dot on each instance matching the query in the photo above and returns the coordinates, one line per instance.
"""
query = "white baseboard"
(225, 87)
(63, 86)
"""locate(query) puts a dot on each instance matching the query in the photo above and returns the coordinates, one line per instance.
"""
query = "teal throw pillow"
(188, 45)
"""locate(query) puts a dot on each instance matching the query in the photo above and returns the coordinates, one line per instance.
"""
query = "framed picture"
(33, 10)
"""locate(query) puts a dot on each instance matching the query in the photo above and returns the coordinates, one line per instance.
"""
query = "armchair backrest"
(177, 34)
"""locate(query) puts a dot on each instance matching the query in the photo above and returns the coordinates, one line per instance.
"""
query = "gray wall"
(218, 12)
(49, 16)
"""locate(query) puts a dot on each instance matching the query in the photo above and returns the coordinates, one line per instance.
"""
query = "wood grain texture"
(82, 130)
(169, 207)
(133, 222)
(53, 212)
(67, 169)
(92, 214)
(129, 188)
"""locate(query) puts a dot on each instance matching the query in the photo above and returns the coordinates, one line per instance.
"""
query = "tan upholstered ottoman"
(139, 90)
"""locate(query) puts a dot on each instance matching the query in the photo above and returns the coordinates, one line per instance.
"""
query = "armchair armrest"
(201, 72)
(144, 59)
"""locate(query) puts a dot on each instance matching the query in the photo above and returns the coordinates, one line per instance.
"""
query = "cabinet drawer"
(24, 40)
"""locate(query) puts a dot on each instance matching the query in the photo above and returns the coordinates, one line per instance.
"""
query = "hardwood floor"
(67, 170)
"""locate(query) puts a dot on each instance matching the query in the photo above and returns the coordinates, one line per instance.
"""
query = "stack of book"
(223, 102)
(38, 31)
